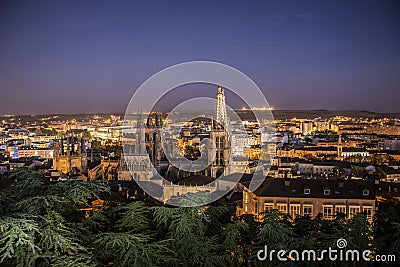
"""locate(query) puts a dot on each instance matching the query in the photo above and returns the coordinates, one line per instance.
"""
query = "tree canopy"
(56, 224)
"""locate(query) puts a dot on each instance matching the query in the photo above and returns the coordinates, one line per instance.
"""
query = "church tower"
(220, 109)
(220, 135)
(140, 142)
(69, 154)
(153, 138)
(135, 163)
(339, 147)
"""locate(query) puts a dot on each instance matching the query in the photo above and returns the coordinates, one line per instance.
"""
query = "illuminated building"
(310, 197)
(135, 163)
(69, 154)
(220, 135)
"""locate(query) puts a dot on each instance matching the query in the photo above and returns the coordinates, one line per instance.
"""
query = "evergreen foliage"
(48, 224)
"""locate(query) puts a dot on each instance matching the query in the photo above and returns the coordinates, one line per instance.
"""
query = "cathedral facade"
(138, 158)
(70, 155)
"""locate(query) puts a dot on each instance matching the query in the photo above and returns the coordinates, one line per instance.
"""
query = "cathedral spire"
(220, 135)
(220, 110)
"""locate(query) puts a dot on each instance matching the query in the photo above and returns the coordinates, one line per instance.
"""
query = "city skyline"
(124, 185)
(74, 57)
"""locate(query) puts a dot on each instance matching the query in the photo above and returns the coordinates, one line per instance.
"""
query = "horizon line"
(238, 109)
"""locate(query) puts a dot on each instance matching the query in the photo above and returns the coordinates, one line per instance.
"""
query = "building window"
(327, 192)
(365, 192)
(268, 206)
(368, 213)
(308, 210)
(340, 209)
(246, 198)
(294, 210)
(328, 212)
(307, 191)
(353, 210)
(282, 208)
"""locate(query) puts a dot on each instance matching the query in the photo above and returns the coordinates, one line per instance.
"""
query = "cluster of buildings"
(41, 141)
(320, 166)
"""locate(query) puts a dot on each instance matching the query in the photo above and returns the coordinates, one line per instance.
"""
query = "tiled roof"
(348, 189)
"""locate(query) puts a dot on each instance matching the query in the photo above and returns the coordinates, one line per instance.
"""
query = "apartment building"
(301, 197)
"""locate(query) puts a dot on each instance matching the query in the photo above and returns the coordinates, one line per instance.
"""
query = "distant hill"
(315, 113)
(244, 114)
(310, 114)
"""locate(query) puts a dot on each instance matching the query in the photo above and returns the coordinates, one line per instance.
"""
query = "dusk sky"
(90, 56)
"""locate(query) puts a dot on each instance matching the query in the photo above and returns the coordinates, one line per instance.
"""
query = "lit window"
(282, 208)
(340, 209)
(308, 210)
(268, 206)
(328, 212)
(246, 197)
(353, 210)
(294, 210)
(368, 213)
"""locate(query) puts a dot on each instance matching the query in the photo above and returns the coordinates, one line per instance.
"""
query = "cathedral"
(138, 157)
(147, 148)
(70, 155)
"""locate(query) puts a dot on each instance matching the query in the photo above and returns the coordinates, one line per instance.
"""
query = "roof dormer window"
(307, 191)
(327, 192)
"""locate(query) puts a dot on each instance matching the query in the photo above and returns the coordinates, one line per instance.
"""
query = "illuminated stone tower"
(220, 110)
(135, 163)
(220, 135)
(339, 147)
(140, 146)
(153, 138)
(70, 154)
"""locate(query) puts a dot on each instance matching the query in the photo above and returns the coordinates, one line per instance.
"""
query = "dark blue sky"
(90, 56)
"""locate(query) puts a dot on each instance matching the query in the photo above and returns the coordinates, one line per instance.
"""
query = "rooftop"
(316, 188)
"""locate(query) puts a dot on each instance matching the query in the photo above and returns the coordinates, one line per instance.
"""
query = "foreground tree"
(187, 232)
(43, 224)
(46, 224)
(131, 241)
(36, 219)
(387, 228)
